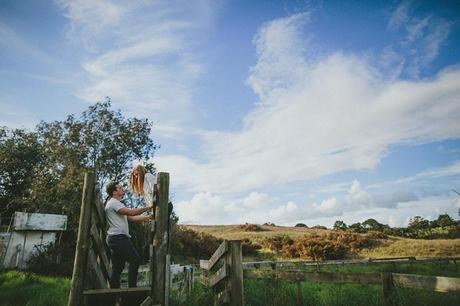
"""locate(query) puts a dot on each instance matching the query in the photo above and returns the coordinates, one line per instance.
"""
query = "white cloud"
(333, 114)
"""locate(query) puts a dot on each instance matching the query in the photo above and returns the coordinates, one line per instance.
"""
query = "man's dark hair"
(111, 187)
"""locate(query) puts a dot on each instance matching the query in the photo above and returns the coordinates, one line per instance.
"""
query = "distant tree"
(418, 223)
(372, 224)
(339, 225)
(301, 225)
(357, 228)
(322, 227)
(445, 220)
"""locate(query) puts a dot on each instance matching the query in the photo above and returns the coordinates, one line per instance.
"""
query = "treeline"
(42, 170)
(444, 227)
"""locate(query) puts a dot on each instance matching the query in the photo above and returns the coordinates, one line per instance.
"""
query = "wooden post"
(388, 286)
(83, 242)
(235, 281)
(160, 242)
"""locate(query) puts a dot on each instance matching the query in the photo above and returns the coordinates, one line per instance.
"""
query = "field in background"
(391, 247)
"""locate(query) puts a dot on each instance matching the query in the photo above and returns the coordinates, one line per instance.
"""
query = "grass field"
(391, 247)
(20, 288)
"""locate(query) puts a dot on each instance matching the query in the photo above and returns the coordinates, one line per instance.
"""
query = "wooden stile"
(91, 272)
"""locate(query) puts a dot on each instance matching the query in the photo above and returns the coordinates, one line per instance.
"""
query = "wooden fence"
(291, 271)
(224, 270)
(387, 280)
(91, 273)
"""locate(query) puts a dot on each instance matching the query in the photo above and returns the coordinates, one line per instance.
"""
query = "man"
(118, 237)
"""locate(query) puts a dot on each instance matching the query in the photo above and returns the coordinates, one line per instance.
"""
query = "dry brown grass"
(235, 232)
(391, 247)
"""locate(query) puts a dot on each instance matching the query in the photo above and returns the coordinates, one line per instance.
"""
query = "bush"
(276, 243)
(186, 243)
(320, 249)
(301, 225)
(247, 227)
(53, 259)
(249, 248)
(319, 227)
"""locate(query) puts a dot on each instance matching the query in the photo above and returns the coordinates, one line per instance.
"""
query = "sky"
(266, 111)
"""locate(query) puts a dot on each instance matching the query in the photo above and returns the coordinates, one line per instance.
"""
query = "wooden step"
(121, 296)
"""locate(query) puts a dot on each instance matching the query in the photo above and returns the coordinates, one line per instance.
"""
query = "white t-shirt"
(149, 182)
(118, 224)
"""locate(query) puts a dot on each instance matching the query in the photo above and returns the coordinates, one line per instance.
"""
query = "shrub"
(277, 242)
(53, 259)
(190, 244)
(319, 227)
(301, 225)
(320, 249)
(249, 248)
(247, 227)
(269, 224)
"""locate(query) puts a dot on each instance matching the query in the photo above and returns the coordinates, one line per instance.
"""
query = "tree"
(339, 225)
(301, 225)
(59, 152)
(20, 156)
(372, 224)
(418, 223)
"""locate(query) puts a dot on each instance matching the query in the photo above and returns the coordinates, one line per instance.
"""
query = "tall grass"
(27, 289)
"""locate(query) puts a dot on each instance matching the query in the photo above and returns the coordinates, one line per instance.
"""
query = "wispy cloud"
(422, 37)
(145, 55)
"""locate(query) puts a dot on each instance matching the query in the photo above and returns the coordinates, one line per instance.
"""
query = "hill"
(386, 246)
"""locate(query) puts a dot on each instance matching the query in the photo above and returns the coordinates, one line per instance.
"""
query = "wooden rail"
(224, 269)
(299, 264)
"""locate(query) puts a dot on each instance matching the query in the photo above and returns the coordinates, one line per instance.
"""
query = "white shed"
(29, 230)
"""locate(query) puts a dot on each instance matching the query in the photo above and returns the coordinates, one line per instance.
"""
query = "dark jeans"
(123, 250)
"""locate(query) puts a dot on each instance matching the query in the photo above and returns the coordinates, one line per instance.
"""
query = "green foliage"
(374, 225)
(357, 228)
(301, 225)
(339, 225)
(418, 223)
(20, 155)
(42, 171)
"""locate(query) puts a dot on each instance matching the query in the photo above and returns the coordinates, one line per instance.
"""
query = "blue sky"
(266, 111)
